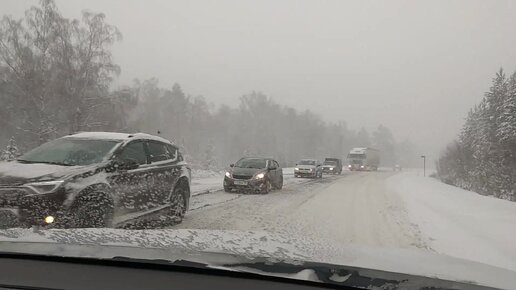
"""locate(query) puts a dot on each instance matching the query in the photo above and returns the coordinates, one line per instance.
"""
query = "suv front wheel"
(94, 210)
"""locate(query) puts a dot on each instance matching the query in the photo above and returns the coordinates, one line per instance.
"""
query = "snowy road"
(354, 208)
(380, 209)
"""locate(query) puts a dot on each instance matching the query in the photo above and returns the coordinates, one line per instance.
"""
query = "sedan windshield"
(251, 163)
(330, 163)
(307, 162)
(70, 152)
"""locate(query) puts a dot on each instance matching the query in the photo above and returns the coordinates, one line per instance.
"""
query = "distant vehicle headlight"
(331, 168)
(296, 169)
(349, 165)
(361, 166)
(311, 169)
(260, 175)
(228, 174)
(45, 186)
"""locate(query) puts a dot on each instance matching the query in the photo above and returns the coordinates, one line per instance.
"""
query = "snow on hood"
(253, 244)
(12, 172)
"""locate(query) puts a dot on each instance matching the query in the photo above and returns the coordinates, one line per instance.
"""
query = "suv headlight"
(228, 174)
(45, 186)
(296, 169)
(260, 175)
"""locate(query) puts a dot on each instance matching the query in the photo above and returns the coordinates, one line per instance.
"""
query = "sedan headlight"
(311, 169)
(260, 175)
(296, 169)
(331, 168)
(228, 174)
(45, 186)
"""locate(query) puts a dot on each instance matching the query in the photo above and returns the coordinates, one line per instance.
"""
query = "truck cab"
(363, 159)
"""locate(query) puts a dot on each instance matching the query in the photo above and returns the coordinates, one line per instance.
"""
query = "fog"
(416, 67)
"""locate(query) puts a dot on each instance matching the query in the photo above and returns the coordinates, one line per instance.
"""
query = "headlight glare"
(260, 175)
(228, 174)
(45, 186)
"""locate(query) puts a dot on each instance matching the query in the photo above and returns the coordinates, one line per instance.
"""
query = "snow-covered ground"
(460, 223)
(382, 209)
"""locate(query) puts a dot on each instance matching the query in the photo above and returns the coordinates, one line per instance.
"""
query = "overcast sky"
(414, 66)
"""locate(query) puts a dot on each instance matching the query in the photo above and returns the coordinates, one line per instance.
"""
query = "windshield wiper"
(45, 162)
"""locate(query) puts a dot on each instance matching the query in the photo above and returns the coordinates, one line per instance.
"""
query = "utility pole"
(424, 164)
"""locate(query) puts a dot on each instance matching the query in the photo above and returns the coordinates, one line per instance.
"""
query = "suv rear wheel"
(178, 203)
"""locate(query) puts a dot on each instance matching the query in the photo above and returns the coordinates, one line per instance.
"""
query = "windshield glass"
(251, 163)
(356, 156)
(69, 152)
(376, 134)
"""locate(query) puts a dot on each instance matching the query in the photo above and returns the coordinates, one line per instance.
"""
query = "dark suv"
(95, 179)
(254, 174)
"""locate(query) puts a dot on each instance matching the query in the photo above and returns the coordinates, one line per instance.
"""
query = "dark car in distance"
(332, 166)
(254, 174)
(95, 179)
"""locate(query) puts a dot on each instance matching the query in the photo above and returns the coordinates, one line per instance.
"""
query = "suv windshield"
(69, 152)
(251, 163)
(329, 162)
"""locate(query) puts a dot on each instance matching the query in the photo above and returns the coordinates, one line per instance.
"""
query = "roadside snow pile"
(288, 171)
(458, 222)
(206, 181)
(202, 173)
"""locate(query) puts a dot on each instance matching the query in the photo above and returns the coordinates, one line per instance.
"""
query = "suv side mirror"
(231, 165)
(126, 164)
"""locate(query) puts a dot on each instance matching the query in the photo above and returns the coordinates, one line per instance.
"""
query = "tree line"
(56, 76)
(483, 158)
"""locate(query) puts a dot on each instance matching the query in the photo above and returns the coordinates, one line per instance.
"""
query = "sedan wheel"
(267, 188)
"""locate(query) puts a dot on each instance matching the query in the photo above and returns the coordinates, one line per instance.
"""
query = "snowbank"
(460, 223)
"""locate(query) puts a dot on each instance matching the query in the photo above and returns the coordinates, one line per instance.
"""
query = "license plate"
(240, 182)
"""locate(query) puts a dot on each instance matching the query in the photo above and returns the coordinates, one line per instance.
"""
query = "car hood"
(305, 166)
(263, 253)
(16, 173)
(246, 171)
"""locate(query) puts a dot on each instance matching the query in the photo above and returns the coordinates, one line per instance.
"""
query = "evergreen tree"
(210, 160)
(11, 151)
(363, 138)
(484, 159)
